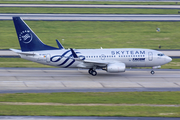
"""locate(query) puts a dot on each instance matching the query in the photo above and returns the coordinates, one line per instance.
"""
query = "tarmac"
(93, 17)
(68, 80)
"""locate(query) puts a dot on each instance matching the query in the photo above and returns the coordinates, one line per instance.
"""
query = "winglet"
(59, 44)
(73, 53)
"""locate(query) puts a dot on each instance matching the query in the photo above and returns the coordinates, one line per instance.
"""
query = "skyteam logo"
(25, 36)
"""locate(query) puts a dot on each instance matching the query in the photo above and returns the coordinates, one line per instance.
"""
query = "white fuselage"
(131, 57)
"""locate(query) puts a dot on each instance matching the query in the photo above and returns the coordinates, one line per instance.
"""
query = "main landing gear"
(152, 72)
(92, 72)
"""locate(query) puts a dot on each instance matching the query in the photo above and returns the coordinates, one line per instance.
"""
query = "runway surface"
(93, 17)
(93, 6)
(67, 80)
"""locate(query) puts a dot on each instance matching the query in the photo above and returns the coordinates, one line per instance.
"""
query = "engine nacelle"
(116, 67)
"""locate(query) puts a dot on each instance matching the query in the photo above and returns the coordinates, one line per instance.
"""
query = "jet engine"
(115, 67)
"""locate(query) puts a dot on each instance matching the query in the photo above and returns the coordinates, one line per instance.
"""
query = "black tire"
(94, 73)
(90, 71)
(152, 72)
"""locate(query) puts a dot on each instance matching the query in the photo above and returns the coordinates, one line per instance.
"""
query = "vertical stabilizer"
(28, 40)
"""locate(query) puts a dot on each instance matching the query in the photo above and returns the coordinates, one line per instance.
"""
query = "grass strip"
(168, 98)
(87, 10)
(89, 2)
(150, 98)
(62, 104)
(139, 111)
(88, 34)
(20, 63)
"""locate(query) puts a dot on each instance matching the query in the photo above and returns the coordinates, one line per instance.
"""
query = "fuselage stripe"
(65, 61)
(70, 63)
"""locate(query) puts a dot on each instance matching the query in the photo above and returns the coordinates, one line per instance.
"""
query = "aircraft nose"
(168, 59)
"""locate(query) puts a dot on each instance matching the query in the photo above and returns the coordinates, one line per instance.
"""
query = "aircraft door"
(48, 56)
(150, 56)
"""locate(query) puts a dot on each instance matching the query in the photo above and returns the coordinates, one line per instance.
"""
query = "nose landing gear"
(152, 72)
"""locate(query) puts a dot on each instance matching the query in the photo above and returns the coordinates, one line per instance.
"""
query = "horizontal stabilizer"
(23, 53)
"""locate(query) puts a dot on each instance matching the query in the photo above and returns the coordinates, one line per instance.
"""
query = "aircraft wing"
(97, 63)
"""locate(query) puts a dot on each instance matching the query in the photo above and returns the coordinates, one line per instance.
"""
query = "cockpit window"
(160, 54)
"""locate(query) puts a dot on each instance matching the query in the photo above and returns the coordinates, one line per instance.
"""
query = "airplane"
(110, 60)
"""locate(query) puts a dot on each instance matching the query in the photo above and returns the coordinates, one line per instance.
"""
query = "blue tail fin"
(28, 40)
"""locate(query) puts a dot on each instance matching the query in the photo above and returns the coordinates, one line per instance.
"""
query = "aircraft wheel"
(152, 72)
(90, 71)
(94, 73)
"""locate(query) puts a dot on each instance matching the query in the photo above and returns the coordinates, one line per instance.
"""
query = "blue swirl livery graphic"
(65, 59)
